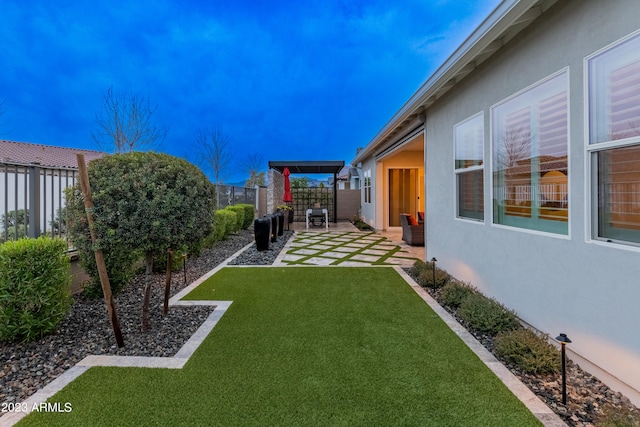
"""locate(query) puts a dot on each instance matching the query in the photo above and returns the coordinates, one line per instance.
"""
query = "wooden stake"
(167, 283)
(102, 268)
(147, 291)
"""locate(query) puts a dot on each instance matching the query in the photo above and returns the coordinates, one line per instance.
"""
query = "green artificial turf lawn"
(305, 346)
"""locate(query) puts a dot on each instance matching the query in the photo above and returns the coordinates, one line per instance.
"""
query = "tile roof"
(344, 172)
(45, 155)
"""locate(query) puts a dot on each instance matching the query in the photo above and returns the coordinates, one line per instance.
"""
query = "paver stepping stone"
(331, 243)
(356, 245)
(346, 249)
(321, 246)
(354, 264)
(405, 262)
(292, 257)
(335, 254)
(304, 252)
(319, 261)
(368, 258)
(374, 252)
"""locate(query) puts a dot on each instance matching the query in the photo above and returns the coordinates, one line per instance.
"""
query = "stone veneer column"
(275, 190)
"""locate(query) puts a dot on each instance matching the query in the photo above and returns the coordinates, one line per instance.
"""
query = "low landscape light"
(184, 266)
(564, 340)
(433, 261)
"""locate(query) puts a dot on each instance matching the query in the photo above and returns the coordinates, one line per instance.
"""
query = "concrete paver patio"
(343, 244)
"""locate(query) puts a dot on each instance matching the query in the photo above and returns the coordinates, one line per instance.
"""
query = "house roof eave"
(508, 19)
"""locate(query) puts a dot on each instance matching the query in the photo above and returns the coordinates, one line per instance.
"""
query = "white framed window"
(367, 186)
(613, 112)
(529, 157)
(468, 139)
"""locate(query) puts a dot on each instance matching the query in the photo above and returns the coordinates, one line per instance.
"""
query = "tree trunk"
(147, 291)
(167, 282)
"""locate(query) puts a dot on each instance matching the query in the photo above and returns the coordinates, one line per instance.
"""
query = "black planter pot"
(262, 232)
(274, 227)
(290, 216)
(280, 215)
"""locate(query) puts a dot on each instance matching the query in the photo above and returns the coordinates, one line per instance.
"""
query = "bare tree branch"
(126, 124)
(214, 153)
(253, 166)
(3, 130)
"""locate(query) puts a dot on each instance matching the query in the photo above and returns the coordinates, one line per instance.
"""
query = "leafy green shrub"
(428, 279)
(486, 314)
(454, 293)
(160, 260)
(239, 211)
(223, 222)
(527, 350)
(249, 215)
(419, 267)
(145, 203)
(34, 287)
(360, 224)
(618, 417)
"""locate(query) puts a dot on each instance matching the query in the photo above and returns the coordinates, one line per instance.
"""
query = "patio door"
(404, 194)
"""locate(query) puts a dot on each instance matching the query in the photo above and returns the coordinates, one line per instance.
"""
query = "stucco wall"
(348, 203)
(570, 284)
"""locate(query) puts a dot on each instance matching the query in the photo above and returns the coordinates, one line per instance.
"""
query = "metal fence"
(229, 195)
(33, 200)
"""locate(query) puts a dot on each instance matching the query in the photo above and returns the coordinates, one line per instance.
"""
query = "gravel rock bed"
(588, 398)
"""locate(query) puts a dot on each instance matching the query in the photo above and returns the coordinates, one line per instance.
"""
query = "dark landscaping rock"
(587, 396)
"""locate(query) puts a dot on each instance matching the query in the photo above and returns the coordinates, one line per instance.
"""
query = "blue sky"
(308, 80)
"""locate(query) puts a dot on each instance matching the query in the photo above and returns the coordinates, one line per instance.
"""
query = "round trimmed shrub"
(454, 293)
(426, 278)
(34, 287)
(239, 211)
(145, 203)
(529, 351)
(420, 266)
(249, 215)
(223, 223)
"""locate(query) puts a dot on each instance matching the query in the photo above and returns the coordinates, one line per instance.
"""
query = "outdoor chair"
(412, 232)
(316, 215)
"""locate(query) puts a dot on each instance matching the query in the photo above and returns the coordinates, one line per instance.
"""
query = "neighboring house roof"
(347, 172)
(45, 155)
(504, 23)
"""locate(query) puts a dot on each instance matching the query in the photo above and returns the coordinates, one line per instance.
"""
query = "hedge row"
(231, 220)
(34, 287)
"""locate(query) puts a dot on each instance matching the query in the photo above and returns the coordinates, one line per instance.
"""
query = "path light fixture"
(184, 266)
(433, 261)
(564, 340)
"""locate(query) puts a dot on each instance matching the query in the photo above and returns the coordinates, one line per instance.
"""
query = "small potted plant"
(286, 209)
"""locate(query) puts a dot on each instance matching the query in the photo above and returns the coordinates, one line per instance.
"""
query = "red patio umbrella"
(287, 186)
